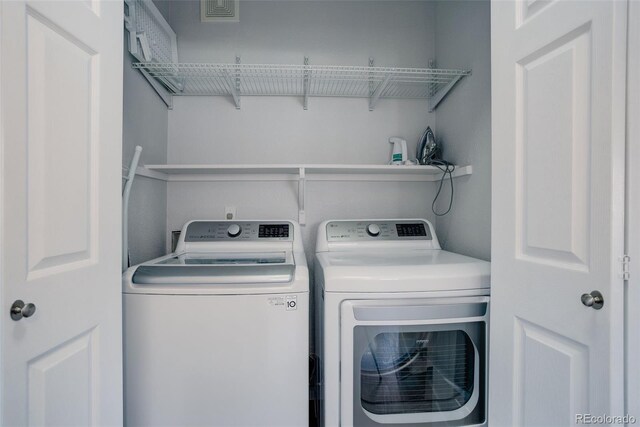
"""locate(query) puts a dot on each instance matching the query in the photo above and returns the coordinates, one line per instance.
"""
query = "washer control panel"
(210, 231)
(349, 231)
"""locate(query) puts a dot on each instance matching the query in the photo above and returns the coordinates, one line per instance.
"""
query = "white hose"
(125, 207)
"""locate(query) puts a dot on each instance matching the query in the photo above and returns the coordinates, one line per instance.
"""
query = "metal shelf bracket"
(371, 77)
(302, 216)
(166, 97)
(232, 80)
(236, 87)
(373, 100)
(442, 93)
(307, 83)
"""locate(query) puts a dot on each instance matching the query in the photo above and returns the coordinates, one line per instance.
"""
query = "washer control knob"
(373, 230)
(234, 230)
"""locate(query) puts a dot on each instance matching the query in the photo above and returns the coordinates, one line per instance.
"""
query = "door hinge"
(625, 260)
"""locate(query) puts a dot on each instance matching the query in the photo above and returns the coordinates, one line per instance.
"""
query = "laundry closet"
(328, 131)
(205, 120)
(331, 131)
(340, 133)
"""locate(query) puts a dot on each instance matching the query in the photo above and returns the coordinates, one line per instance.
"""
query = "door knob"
(19, 310)
(593, 300)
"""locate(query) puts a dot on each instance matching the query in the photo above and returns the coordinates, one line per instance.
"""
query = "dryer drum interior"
(417, 372)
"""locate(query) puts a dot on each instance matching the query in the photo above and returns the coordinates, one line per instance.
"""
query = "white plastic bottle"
(399, 152)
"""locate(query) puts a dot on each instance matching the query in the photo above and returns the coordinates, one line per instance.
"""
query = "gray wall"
(464, 124)
(394, 32)
(144, 124)
(278, 130)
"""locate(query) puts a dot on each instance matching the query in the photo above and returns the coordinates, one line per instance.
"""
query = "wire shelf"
(303, 80)
(152, 42)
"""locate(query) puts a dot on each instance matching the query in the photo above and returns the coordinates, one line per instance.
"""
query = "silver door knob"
(593, 300)
(19, 310)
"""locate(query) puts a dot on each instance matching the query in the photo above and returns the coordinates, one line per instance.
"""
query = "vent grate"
(219, 10)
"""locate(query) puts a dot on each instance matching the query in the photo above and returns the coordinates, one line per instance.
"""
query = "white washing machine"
(403, 327)
(216, 334)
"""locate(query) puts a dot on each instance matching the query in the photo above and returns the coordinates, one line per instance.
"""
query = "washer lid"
(217, 268)
(227, 258)
(402, 271)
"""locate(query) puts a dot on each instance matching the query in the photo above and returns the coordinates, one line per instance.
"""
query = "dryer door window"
(416, 374)
(404, 372)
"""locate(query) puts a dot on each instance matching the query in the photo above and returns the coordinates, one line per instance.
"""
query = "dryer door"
(408, 362)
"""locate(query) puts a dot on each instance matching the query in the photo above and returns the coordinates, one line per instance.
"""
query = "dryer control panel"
(213, 231)
(349, 231)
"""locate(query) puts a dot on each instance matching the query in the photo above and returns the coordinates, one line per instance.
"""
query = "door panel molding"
(551, 350)
(72, 367)
(528, 9)
(553, 150)
(62, 71)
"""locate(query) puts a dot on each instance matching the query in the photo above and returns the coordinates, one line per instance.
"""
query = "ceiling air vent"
(219, 10)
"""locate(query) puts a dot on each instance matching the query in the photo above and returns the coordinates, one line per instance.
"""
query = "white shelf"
(313, 172)
(237, 80)
(300, 173)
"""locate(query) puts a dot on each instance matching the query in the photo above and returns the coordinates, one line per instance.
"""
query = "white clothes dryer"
(402, 327)
(216, 334)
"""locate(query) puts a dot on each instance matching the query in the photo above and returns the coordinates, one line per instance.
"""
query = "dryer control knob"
(373, 230)
(234, 230)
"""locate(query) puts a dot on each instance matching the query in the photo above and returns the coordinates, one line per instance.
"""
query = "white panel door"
(558, 111)
(61, 134)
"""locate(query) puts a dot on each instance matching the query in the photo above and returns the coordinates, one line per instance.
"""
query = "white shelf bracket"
(236, 97)
(233, 89)
(146, 48)
(302, 216)
(166, 97)
(442, 93)
(376, 94)
(307, 83)
(233, 83)
(371, 82)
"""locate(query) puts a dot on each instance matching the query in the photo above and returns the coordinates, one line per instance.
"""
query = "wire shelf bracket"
(307, 83)
(442, 93)
(236, 87)
(376, 94)
(160, 90)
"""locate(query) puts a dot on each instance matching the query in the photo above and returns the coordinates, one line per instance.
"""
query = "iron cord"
(447, 169)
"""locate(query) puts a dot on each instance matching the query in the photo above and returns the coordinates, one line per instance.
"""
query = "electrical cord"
(447, 169)
(430, 153)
